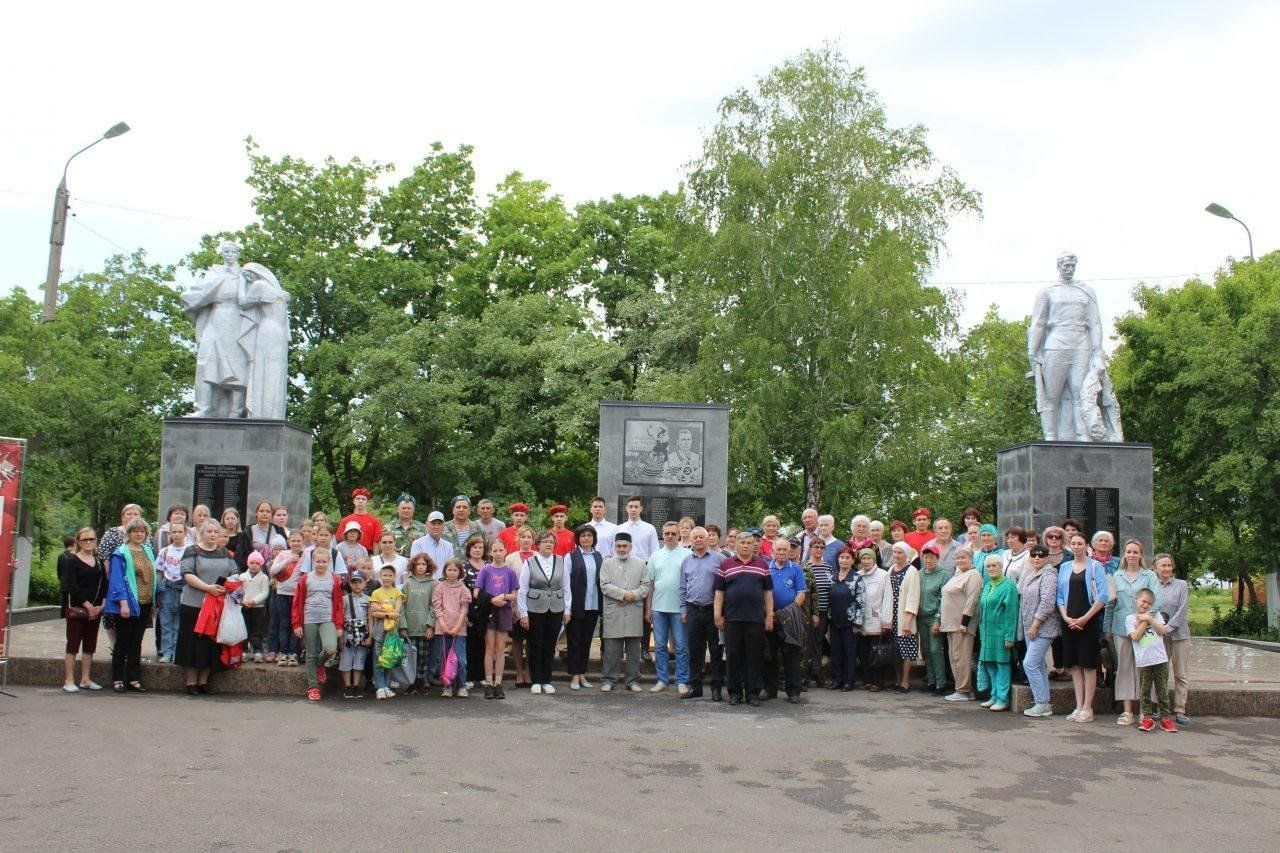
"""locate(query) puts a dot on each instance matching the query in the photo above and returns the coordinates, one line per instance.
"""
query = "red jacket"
(300, 601)
(370, 530)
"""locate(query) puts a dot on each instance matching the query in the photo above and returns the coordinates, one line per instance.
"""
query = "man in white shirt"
(605, 529)
(808, 528)
(434, 544)
(644, 537)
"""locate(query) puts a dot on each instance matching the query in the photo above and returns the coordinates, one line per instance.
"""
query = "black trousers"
(870, 675)
(788, 656)
(703, 637)
(818, 646)
(579, 633)
(544, 628)
(475, 652)
(744, 657)
(126, 656)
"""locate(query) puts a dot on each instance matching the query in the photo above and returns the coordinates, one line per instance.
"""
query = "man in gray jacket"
(624, 584)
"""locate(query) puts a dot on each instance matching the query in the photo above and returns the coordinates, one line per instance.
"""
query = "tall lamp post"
(58, 233)
(1218, 210)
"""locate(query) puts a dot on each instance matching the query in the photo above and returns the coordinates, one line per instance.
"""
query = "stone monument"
(1082, 469)
(237, 448)
(674, 456)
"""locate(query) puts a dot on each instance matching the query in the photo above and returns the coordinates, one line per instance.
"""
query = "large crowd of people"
(746, 615)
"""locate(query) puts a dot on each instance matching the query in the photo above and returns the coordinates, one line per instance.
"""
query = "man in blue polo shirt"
(697, 597)
(786, 640)
(744, 611)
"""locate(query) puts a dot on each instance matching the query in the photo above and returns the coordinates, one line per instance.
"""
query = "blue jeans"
(665, 624)
(1033, 666)
(440, 650)
(168, 598)
(999, 677)
(280, 637)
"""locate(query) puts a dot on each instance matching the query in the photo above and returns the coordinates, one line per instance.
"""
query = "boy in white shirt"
(1146, 629)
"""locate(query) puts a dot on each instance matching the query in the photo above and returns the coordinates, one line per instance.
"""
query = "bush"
(44, 587)
(1249, 623)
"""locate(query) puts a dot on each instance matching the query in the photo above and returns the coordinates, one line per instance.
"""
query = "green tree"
(94, 385)
(821, 222)
(1198, 376)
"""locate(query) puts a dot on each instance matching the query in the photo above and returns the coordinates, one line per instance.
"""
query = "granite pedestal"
(674, 456)
(1104, 486)
(235, 462)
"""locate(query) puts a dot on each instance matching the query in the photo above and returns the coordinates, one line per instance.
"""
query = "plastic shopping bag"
(392, 652)
(231, 628)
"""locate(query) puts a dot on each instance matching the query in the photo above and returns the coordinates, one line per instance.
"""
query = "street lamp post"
(1218, 210)
(58, 232)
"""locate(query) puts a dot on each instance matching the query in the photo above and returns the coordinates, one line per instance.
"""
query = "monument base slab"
(1105, 486)
(234, 462)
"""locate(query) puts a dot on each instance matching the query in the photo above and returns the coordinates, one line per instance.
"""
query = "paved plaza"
(624, 771)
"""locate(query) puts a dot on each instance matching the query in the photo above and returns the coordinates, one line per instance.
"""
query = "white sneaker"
(682, 689)
(986, 703)
(585, 683)
(573, 685)
(634, 688)
(391, 694)
(659, 687)
(958, 697)
(537, 688)
(70, 688)
(999, 706)
(256, 658)
(380, 693)
(1040, 709)
(547, 688)
(606, 688)
(446, 693)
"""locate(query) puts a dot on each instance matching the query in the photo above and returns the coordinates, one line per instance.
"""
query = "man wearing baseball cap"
(434, 544)
(370, 526)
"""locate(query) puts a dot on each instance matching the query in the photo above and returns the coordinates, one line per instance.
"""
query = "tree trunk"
(813, 479)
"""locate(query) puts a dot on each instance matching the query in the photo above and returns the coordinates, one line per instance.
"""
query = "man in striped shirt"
(744, 611)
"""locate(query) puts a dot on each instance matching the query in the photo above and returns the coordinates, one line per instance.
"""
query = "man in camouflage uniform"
(404, 526)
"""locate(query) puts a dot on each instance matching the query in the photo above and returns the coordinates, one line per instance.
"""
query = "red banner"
(12, 451)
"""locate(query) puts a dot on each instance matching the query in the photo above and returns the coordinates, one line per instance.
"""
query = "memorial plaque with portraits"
(662, 453)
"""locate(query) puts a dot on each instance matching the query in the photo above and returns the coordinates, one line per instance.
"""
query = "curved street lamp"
(58, 233)
(1218, 210)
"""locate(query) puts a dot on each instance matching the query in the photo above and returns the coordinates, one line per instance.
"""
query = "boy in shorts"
(356, 639)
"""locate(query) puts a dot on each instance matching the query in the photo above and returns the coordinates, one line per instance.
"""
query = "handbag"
(76, 612)
(884, 653)
(355, 631)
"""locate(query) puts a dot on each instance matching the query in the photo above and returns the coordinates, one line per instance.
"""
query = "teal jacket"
(999, 621)
(122, 582)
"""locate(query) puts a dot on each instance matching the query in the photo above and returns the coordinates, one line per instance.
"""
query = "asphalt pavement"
(588, 771)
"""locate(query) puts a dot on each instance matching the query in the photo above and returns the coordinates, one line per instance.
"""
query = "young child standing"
(420, 619)
(169, 586)
(386, 610)
(285, 571)
(256, 588)
(499, 584)
(1146, 629)
(317, 619)
(449, 602)
(356, 639)
(355, 555)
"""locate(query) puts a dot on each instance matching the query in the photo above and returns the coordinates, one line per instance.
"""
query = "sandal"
(1125, 719)
(117, 686)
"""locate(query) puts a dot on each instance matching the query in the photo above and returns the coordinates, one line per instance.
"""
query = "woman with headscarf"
(900, 605)
(584, 605)
(988, 544)
(958, 619)
(1132, 576)
(1083, 592)
(1038, 624)
(874, 617)
(999, 628)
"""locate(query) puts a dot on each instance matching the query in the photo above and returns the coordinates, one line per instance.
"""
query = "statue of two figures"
(241, 315)
(1064, 343)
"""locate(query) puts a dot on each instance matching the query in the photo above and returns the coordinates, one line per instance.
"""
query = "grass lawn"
(1201, 607)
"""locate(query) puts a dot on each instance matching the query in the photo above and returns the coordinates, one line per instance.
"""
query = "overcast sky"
(1098, 126)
